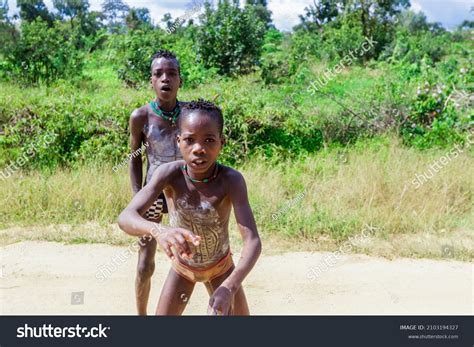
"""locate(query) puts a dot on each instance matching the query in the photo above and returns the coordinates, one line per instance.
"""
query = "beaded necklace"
(170, 116)
(184, 168)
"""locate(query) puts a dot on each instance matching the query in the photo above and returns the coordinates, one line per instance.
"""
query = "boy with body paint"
(201, 194)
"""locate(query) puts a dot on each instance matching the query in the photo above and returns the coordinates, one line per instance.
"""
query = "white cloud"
(415, 6)
(285, 13)
(449, 13)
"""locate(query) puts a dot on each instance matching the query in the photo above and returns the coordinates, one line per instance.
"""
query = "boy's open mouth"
(199, 162)
(165, 88)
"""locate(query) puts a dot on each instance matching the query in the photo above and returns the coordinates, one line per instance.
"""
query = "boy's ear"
(222, 141)
(180, 82)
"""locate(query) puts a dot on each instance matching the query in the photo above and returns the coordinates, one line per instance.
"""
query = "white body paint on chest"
(202, 220)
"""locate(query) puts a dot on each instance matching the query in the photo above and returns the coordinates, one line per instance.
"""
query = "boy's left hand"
(220, 302)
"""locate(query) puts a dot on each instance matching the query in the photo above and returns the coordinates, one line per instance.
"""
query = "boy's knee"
(146, 269)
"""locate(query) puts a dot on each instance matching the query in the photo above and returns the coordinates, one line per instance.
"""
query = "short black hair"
(164, 53)
(202, 105)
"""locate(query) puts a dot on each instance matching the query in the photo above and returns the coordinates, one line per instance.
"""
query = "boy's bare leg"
(240, 306)
(175, 295)
(145, 269)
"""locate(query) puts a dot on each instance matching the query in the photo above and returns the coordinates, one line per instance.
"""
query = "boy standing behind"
(154, 125)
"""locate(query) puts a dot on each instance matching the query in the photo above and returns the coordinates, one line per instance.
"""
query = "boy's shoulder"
(140, 113)
(172, 166)
(230, 174)
(234, 183)
(168, 171)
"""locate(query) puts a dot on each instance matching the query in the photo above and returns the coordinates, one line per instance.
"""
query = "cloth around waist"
(192, 266)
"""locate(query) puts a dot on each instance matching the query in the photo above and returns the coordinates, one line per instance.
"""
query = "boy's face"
(165, 78)
(199, 141)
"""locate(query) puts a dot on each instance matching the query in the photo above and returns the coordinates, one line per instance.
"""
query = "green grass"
(345, 188)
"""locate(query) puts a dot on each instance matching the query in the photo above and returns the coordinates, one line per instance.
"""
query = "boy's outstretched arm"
(136, 139)
(252, 246)
(132, 222)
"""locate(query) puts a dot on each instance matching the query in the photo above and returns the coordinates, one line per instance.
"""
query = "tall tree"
(138, 18)
(168, 20)
(8, 32)
(319, 14)
(92, 22)
(354, 19)
(322, 12)
(32, 9)
(115, 11)
(71, 8)
(374, 12)
(262, 11)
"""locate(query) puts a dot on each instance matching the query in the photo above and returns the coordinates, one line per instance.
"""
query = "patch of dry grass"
(317, 201)
(344, 190)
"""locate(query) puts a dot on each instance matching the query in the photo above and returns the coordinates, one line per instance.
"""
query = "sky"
(285, 13)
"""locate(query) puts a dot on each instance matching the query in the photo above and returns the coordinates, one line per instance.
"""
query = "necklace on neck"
(184, 168)
(170, 116)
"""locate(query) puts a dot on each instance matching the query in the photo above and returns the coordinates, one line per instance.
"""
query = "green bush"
(44, 54)
(433, 119)
(304, 47)
(90, 128)
(412, 48)
(73, 119)
(274, 64)
(270, 114)
(134, 52)
(230, 38)
(135, 49)
(344, 38)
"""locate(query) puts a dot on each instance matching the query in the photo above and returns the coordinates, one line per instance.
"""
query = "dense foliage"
(78, 74)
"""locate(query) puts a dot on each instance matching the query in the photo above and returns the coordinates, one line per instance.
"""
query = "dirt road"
(51, 278)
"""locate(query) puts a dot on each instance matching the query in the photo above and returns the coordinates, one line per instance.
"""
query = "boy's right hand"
(177, 238)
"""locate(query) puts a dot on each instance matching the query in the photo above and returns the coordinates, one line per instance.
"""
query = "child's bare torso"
(160, 137)
(205, 211)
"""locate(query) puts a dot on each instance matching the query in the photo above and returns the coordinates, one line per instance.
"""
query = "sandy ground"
(46, 278)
